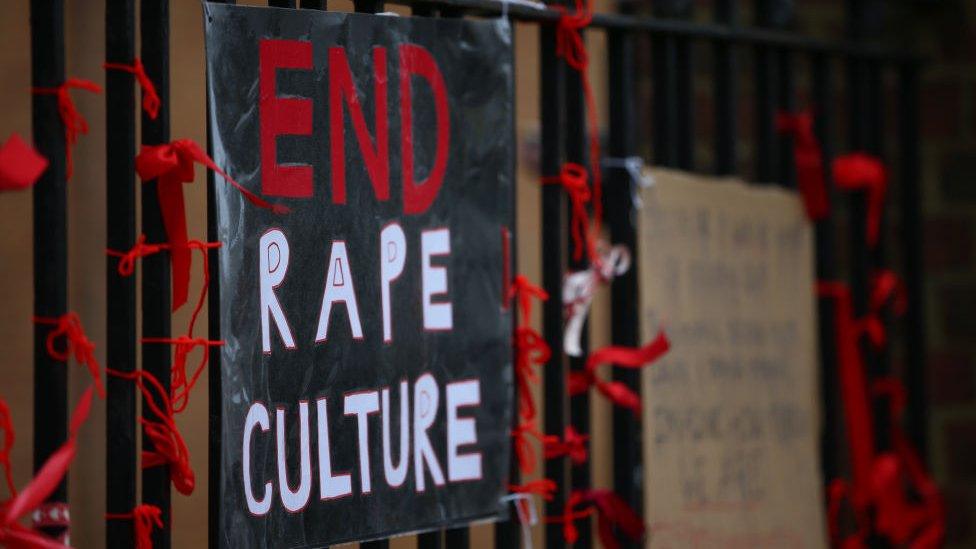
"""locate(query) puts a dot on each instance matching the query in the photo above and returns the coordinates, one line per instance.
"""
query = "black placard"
(390, 138)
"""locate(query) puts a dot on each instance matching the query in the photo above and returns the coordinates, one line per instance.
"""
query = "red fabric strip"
(172, 165)
(612, 513)
(530, 349)
(573, 179)
(572, 445)
(7, 426)
(150, 99)
(72, 120)
(809, 161)
(144, 518)
(625, 357)
(20, 164)
(863, 172)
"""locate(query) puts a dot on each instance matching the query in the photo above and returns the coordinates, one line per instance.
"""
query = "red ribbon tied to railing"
(173, 164)
(144, 518)
(626, 357)
(12, 533)
(150, 99)
(612, 512)
(530, 349)
(20, 164)
(72, 120)
(571, 445)
(573, 179)
(809, 161)
(863, 172)
(77, 343)
(7, 426)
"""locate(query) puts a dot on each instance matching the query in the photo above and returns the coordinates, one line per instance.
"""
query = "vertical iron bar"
(911, 240)
(685, 98)
(552, 79)
(50, 235)
(724, 91)
(457, 537)
(822, 94)
(120, 291)
(431, 540)
(786, 173)
(154, 28)
(576, 148)
(625, 317)
(765, 94)
(313, 4)
(663, 107)
(281, 3)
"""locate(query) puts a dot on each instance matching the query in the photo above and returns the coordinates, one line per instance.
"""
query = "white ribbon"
(527, 516)
(578, 290)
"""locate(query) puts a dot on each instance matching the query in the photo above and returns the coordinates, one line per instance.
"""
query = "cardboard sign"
(366, 376)
(730, 414)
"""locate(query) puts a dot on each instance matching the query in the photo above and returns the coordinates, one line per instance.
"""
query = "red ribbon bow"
(150, 99)
(573, 179)
(626, 357)
(573, 445)
(809, 161)
(77, 343)
(530, 348)
(20, 164)
(72, 120)
(863, 172)
(169, 448)
(172, 164)
(612, 512)
(13, 534)
(144, 518)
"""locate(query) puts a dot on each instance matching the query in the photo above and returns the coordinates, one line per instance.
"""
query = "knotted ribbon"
(144, 518)
(571, 47)
(172, 164)
(169, 448)
(530, 349)
(573, 179)
(13, 534)
(20, 164)
(626, 357)
(579, 288)
(72, 120)
(524, 454)
(150, 99)
(809, 161)
(181, 382)
(572, 445)
(77, 343)
(863, 172)
(612, 512)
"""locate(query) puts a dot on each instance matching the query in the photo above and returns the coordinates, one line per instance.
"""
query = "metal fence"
(667, 42)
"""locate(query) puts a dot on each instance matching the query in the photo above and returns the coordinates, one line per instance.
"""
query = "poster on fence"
(366, 377)
(731, 434)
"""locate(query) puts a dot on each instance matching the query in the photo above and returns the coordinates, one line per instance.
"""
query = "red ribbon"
(172, 164)
(7, 426)
(523, 446)
(809, 161)
(144, 518)
(72, 120)
(12, 533)
(572, 48)
(626, 357)
(150, 99)
(886, 287)
(853, 387)
(612, 512)
(573, 179)
(20, 164)
(181, 383)
(530, 349)
(863, 172)
(572, 445)
(169, 446)
(77, 343)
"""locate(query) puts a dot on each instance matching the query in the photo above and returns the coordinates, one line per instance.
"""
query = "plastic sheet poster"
(366, 380)
(731, 420)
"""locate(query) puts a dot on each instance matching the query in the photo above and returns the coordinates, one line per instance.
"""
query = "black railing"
(779, 57)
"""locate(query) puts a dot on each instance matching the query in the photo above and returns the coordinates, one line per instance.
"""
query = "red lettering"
(375, 155)
(283, 116)
(415, 60)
